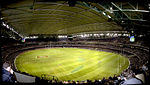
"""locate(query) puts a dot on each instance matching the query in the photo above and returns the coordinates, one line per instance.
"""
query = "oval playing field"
(71, 63)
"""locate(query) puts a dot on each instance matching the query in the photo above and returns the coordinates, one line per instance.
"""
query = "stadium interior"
(119, 27)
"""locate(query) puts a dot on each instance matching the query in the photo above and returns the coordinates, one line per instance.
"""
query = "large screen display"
(132, 38)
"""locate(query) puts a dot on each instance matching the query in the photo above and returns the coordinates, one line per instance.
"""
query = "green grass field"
(71, 63)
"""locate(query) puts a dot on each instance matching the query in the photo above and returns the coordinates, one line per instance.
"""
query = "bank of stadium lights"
(115, 35)
(111, 35)
(140, 35)
(107, 34)
(86, 35)
(79, 35)
(104, 13)
(111, 10)
(108, 16)
(89, 35)
(101, 34)
(126, 34)
(119, 34)
(83, 35)
(8, 27)
(96, 35)
(3, 24)
(62, 36)
(31, 37)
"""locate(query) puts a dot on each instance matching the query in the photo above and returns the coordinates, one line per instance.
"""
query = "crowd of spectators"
(126, 77)
(8, 73)
(133, 52)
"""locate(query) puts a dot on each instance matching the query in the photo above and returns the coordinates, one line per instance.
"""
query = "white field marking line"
(68, 71)
(15, 63)
(117, 59)
(91, 65)
(70, 64)
(109, 57)
(54, 72)
(19, 55)
(76, 69)
(64, 70)
(63, 65)
(74, 63)
(106, 57)
(103, 54)
(88, 58)
(65, 73)
(111, 61)
(21, 67)
(89, 73)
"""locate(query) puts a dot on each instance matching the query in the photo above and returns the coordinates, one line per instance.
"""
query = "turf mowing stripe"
(77, 69)
(62, 73)
(89, 66)
(70, 64)
(66, 61)
(73, 63)
(106, 57)
(79, 65)
(93, 64)
(88, 71)
(112, 63)
(90, 74)
(64, 70)
(66, 66)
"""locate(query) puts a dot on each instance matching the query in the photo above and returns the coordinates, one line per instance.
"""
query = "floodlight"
(104, 13)
(3, 24)
(7, 26)
(109, 16)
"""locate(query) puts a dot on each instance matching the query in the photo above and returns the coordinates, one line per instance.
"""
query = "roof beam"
(132, 6)
(120, 10)
(130, 10)
(53, 3)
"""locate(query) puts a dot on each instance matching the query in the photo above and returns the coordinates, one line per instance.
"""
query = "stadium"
(75, 42)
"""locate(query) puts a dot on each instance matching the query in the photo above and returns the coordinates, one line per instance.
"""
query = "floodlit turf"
(71, 63)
